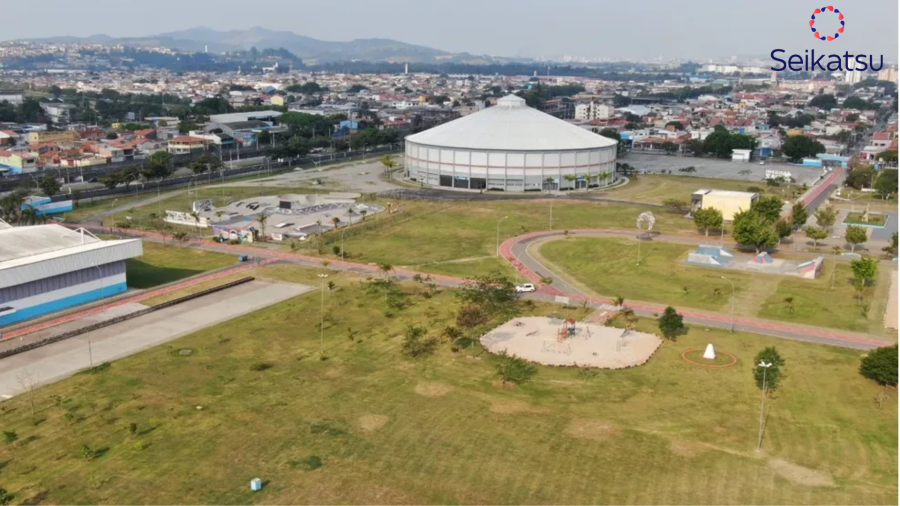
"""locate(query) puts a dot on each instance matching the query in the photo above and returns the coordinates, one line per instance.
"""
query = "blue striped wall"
(63, 303)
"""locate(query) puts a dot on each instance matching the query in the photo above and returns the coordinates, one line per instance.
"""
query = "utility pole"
(762, 409)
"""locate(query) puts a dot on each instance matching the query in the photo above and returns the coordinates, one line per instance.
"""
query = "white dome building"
(510, 147)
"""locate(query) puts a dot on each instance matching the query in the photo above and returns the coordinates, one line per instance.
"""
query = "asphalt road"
(517, 255)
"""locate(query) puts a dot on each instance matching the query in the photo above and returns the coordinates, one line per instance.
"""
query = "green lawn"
(856, 218)
(389, 429)
(163, 264)
(425, 233)
(607, 267)
(655, 189)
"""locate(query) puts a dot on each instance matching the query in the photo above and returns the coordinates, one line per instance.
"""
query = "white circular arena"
(510, 147)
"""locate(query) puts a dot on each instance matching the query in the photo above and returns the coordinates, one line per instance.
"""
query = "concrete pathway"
(514, 251)
(65, 358)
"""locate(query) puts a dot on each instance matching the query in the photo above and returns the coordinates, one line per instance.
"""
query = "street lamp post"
(765, 367)
(498, 234)
(732, 303)
(322, 315)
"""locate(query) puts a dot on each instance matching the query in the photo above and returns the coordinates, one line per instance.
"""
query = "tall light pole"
(762, 408)
(732, 303)
(498, 234)
(322, 315)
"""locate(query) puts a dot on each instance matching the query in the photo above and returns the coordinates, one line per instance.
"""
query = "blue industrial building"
(48, 268)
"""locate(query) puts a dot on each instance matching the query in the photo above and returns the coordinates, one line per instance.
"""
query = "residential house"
(18, 162)
(184, 144)
(55, 136)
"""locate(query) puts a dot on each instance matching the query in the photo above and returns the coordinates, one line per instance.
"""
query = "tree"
(752, 229)
(852, 117)
(769, 355)
(826, 216)
(5, 497)
(513, 369)
(112, 179)
(769, 208)
(186, 126)
(695, 146)
(816, 234)
(864, 270)
(886, 185)
(823, 101)
(799, 214)
(880, 365)
(797, 147)
(891, 249)
(860, 177)
(387, 161)
(262, 219)
(887, 156)
(49, 185)
(112, 136)
(677, 125)
(670, 147)
(159, 165)
(855, 236)
(854, 103)
(385, 268)
(708, 218)
(671, 324)
(493, 292)
(297, 146)
(783, 228)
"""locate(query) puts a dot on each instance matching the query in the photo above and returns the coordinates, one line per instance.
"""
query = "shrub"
(416, 343)
(139, 445)
(470, 315)
(87, 453)
(336, 250)
(310, 463)
(881, 365)
(5, 497)
(10, 436)
(260, 366)
(452, 333)
(513, 369)
(132, 428)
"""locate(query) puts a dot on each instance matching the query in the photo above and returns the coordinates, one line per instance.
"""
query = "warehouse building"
(728, 202)
(511, 147)
(47, 268)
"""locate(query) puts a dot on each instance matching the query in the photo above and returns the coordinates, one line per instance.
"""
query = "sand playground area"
(565, 342)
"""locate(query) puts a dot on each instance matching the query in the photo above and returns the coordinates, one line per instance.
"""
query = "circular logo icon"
(812, 23)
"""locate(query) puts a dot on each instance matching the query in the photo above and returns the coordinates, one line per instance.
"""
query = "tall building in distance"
(852, 75)
(590, 111)
(888, 74)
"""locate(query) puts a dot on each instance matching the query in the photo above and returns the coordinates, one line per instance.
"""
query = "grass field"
(654, 189)
(856, 218)
(163, 264)
(607, 267)
(428, 236)
(370, 426)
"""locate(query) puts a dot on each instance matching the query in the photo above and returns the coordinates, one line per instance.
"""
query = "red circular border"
(685, 352)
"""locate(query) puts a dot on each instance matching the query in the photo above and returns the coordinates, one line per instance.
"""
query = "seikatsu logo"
(821, 10)
(809, 62)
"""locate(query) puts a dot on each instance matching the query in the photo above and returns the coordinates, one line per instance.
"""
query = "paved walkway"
(65, 358)
(513, 250)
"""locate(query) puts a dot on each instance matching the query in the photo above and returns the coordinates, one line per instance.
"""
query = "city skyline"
(502, 28)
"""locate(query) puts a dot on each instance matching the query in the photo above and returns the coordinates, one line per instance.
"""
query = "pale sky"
(616, 29)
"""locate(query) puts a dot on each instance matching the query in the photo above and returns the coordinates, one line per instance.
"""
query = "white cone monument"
(710, 353)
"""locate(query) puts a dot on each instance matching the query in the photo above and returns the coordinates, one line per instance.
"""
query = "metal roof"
(511, 126)
(41, 251)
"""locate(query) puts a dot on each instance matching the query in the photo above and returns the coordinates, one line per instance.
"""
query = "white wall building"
(510, 147)
(590, 111)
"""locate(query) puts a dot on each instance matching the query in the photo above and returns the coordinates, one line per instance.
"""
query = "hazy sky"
(697, 29)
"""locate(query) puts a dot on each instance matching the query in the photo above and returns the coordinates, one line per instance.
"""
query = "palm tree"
(219, 215)
(619, 301)
(630, 318)
(335, 220)
(262, 225)
(388, 162)
(571, 179)
(363, 214)
(385, 268)
(549, 181)
(789, 304)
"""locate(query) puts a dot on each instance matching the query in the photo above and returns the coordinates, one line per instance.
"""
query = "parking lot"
(712, 167)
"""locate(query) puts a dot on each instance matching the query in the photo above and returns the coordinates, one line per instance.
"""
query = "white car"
(527, 287)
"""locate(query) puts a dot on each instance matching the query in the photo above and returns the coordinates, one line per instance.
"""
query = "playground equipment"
(710, 255)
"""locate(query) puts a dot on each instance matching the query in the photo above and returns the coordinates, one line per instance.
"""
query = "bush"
(881, 365)
(416, 343)
(671, 324)
(452, 333)
(5, 497)
(139, 445)
(470, 315)
(513, 369)
(87, 453)
(310, 463)
(260, 366)
(132, 428)
(10, 436)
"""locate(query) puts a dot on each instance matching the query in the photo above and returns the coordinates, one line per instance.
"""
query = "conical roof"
(511, 126)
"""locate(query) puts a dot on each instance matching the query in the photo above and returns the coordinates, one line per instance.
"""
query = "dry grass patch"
(595, 430)
(433, 389)
(800, 475)
(686, 448)
(371, 423)
(503, 406)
